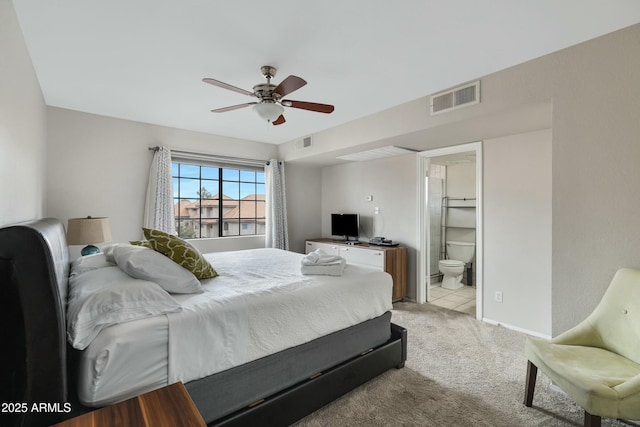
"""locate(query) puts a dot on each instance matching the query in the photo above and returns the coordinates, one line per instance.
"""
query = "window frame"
(239, 177)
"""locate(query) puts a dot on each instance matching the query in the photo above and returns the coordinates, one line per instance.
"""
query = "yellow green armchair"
(596, 363)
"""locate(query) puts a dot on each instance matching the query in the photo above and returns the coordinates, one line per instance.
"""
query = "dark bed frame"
(37, 365)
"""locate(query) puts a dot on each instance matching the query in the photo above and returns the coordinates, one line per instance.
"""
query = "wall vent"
(452, 99)
(303, 143)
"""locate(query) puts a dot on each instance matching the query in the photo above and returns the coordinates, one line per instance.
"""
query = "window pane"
(209, 228)
(176, 187)
(247, 209)
(174, 169)
(209, 189)
(209, 209)
(209, 172)
(189, 188)
(247, 190)
(230, 208)
(231, 189)
(189, 171)
(248, 176)
(189, 208)
(180, 208)
(247, 228)
(231, 174)
(213, 231)
(260, 190)
(260, 177)
(260, 209)
(230, 228)
(187, 229)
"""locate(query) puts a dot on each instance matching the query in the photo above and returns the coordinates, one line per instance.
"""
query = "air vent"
(452, 99)
(303, 143)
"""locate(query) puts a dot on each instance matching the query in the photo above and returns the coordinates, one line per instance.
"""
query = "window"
(218, 200)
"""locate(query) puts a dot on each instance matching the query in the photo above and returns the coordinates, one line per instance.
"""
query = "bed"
(270, 382)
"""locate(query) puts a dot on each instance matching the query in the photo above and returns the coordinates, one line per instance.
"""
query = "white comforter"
(260, 304)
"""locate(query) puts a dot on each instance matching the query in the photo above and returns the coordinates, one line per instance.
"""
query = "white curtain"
(158, 208)
(277, 234)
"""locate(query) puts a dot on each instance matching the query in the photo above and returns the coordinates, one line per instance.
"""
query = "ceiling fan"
(270, 103)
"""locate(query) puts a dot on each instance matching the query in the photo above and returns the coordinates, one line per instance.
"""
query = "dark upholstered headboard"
(34, 270)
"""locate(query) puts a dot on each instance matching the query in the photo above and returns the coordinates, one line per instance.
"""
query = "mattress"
(260, 304)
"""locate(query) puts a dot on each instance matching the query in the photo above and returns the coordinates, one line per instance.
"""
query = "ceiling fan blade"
(311, 106)
(288, 85)
(232, 107)
(280, 120)
(227, 86)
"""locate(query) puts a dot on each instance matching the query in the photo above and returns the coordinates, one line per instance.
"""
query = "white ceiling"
(144, 60)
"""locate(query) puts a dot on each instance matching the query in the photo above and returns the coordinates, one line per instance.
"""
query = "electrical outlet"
(498, 296)
(376, 210)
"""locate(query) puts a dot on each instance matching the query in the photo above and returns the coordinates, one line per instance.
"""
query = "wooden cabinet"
(392, 259)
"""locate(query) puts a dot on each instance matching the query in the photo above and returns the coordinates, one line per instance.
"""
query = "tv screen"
(344, 225)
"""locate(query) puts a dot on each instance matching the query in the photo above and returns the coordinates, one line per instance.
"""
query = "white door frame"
(423, 274)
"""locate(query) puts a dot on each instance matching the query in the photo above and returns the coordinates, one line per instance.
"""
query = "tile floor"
(463, 299)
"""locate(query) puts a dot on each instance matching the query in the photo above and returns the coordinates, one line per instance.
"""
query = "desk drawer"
(367, 257)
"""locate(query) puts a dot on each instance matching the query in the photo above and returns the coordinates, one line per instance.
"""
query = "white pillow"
(107, 250)
(147, 264)
(107, 296)
(90, 262)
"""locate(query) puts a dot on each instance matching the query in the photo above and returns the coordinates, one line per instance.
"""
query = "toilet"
(460, 253)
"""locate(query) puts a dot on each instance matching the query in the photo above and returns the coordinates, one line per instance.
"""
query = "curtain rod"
(206, 156)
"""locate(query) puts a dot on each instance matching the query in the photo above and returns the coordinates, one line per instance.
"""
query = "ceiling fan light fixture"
(268, 111)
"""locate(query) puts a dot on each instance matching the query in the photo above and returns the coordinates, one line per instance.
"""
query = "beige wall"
(596, 154)
(393, 184)
(22, 127)
(99, 166)
(517, 230)
(587, 95)
(303, 187)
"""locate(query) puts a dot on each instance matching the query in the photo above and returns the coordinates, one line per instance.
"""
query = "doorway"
(454, 216)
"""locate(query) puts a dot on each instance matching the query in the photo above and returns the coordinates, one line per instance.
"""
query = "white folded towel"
(334, 269)
(319, 257)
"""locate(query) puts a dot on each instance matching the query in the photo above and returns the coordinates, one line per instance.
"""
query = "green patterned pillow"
(181, 252)
(144, 243)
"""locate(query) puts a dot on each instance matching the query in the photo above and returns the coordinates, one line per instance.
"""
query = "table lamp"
(87, 231)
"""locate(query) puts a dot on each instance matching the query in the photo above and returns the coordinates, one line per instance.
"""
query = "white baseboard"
(516, 328)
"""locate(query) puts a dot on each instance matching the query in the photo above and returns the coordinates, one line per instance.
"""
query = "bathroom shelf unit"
(446, 205)
(444, 225)
(392, 260)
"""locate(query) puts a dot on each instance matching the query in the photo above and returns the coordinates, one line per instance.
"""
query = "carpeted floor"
(459, 372)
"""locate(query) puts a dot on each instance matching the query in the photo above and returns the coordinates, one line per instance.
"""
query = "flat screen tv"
(346, 225)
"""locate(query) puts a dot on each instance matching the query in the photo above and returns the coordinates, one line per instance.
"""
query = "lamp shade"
(268, 111)
(84, 231)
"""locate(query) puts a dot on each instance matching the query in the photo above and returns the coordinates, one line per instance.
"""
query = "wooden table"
(170, 406)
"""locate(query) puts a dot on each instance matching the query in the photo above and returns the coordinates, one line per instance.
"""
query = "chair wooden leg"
(591, 420)
(532, 371)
